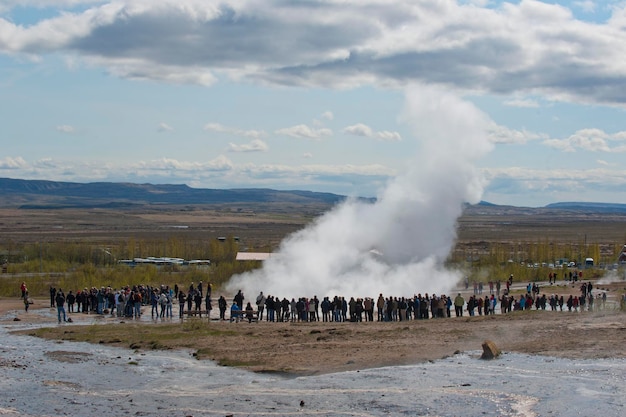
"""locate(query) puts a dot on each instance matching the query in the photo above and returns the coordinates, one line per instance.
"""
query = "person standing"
(53, 294)
(60, 303)
(221, 302)
(239, 297)
(249, 312)
(380, 306)
(269, 303)
(137, 304)
(190, 295)
(260, 304)
(197, 299)
(120, 303)
(154, 302)
(169, 306)
(26, 301)
(71, 299)
(207, 305)
(181, 304)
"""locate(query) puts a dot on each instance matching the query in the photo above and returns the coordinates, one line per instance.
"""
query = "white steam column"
(397, 245)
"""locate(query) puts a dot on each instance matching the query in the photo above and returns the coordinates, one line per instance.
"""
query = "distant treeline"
(86, 265)
(81, 265)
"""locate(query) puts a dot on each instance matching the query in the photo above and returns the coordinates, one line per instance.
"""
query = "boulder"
(490, 350)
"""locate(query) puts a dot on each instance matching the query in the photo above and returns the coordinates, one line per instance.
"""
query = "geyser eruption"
(397, 245)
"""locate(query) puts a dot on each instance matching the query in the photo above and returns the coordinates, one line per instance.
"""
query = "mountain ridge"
(45, 194)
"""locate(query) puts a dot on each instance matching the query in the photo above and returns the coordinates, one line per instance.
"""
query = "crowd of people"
(197, 300)
(338, 309)
(128, 301)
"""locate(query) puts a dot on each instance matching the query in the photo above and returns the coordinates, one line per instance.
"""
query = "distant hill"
(590, 207)
(574, 207)
(40, 194)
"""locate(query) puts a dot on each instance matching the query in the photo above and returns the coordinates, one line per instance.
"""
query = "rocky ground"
(317, 348)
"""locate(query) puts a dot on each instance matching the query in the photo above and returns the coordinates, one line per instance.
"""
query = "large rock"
(490, 350)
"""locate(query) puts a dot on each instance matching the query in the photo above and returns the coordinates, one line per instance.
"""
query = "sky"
(313, 95)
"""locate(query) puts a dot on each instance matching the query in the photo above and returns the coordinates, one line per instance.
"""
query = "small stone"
(490, 350)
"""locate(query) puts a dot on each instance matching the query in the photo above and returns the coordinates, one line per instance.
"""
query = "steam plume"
(397, 245)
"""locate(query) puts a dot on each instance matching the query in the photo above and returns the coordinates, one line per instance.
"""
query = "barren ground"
(317, 348)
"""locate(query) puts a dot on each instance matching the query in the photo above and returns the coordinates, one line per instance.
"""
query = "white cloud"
(13, 163)
(361, 129)
(502, 134)
(523, 103)
(256, 145)
(592, 140)
(588, 6)
(326, 116)
(321, 170)
(304, 132)
(65, 129)
(220, 163)
(523, 47)
(535, 184)
(7, 5)
(164, 127)
(481, 3)
(544, 186)
(307, 155)
(48, 163)
(219, 172)
(216, 127)
(388, 136)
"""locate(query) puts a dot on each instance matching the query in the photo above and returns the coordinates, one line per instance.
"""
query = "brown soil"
(316, 348)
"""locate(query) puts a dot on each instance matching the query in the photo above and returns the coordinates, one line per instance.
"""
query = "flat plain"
(313, 348)
(268, 223)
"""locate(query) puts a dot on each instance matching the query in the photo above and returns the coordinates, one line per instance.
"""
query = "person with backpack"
(154, 303)
(260, 304)
(60, 303)
(162, 303)
(137, 304)
(181, 304)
